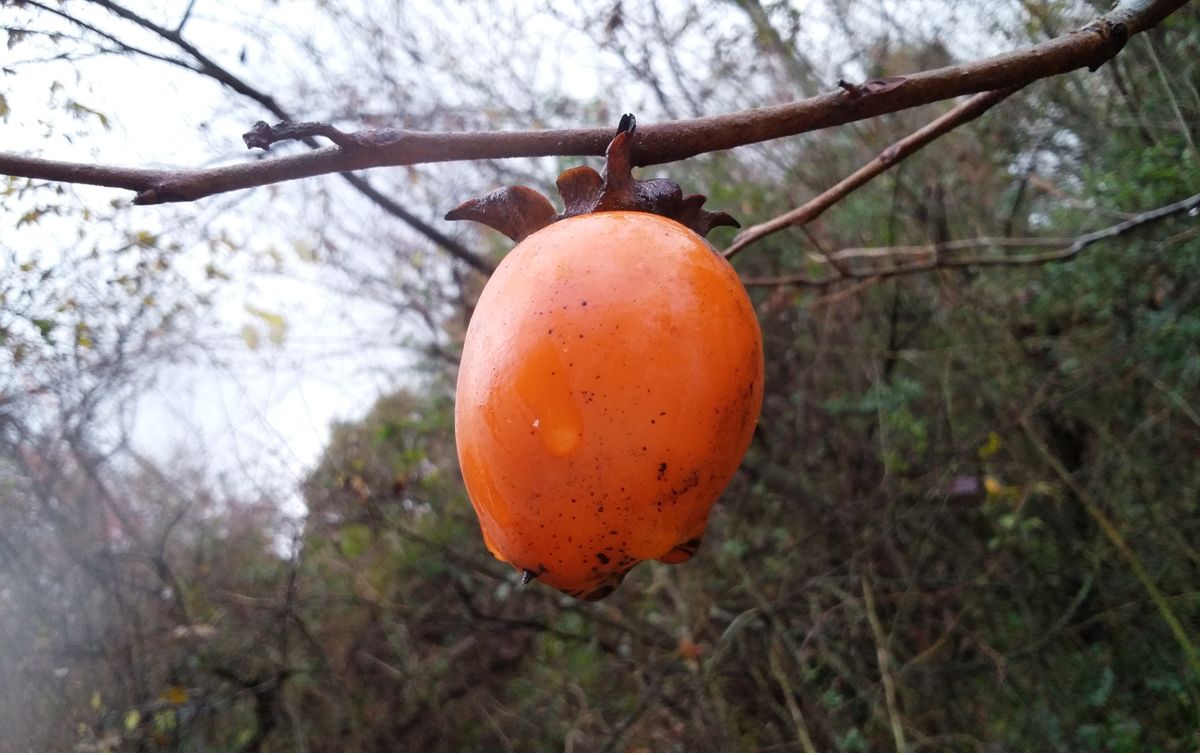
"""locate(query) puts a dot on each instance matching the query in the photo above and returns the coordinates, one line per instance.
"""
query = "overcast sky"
(260, 416)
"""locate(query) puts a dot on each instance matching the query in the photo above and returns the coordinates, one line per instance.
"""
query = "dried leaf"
(689, 649)
(619, 190)
(991, 446)
(250, 337)
(692, 214)
(516, 211)
(659, 196)
(580, 189)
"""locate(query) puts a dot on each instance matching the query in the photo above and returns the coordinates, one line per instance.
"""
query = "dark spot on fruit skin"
(690, 482)
(602, 557)
(662, 470)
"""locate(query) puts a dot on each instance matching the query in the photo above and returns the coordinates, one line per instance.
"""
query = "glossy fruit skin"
(610, 382)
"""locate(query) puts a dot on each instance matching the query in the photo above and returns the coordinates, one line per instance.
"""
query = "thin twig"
(1176, 399)
(120, 45)
(847, 292)
(893, 261)
(1170, 92)
(910, 144)
(661, 143)
(187, 14)
(775, 663)
(1092, 506)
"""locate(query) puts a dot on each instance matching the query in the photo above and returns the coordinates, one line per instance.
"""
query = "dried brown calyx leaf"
(519, 211)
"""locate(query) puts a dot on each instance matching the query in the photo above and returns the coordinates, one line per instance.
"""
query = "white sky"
(260, 417)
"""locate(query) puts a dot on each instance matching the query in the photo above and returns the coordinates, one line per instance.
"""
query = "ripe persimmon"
(610, 382)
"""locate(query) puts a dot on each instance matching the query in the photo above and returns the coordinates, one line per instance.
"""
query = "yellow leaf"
(993, 486)
(97, 701)
(132, 719)
(1042, 487)
(991, 446)
(276, 324)
(83, 336)
(175, 695)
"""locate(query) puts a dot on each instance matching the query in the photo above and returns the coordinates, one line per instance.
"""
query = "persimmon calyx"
(520, 211)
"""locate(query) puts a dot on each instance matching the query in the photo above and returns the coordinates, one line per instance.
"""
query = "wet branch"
(206, 66)
(893, 261)
(897, 152)
(659, 143)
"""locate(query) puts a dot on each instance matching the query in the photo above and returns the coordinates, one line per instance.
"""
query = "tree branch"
(1089, 48)
(963, 113)
(878, 263)
(206, 66)
(120, 45)
(883, 656)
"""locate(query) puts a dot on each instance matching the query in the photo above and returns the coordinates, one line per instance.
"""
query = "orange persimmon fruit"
(610, 382)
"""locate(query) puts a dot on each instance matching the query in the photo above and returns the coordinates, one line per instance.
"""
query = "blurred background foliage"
(968, 520)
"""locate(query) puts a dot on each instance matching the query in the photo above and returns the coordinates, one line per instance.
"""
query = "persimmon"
(610, 382)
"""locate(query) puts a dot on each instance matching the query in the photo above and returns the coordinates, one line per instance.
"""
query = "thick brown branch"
(893, 261)
(131, 178)
(664, 142)
(120, 45)
(963, 113)
(208, 67)
(205, 64)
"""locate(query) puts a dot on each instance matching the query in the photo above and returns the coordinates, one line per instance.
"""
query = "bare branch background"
(658, 143)
(966, 520)
(883, 262)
